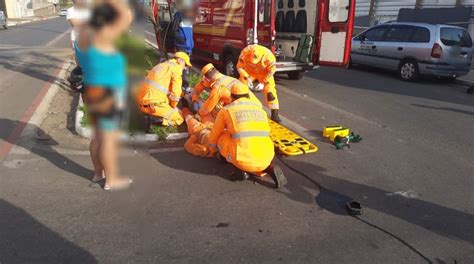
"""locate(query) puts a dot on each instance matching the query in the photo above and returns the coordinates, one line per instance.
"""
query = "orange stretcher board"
(288, 142)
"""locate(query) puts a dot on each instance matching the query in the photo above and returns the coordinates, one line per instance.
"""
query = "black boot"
(277, 175)
(275, 117)
(220, 158)
(240, 175)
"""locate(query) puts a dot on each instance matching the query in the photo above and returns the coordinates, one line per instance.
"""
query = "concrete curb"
(87, 132)
(31, 130)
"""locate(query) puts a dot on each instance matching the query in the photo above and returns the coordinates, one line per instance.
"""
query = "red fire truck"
(302, 33)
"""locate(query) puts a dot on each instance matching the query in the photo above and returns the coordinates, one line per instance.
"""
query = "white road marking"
(410, 194)
(56, 39)
(149, 33)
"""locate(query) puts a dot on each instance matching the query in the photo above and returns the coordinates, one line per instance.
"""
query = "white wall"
(386, 10)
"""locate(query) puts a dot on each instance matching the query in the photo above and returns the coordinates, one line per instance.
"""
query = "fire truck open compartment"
(293, 19)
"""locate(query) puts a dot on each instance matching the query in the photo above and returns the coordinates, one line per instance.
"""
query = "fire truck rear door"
(333, 32)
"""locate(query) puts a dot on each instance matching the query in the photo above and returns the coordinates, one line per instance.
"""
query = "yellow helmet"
(184, 57)
(207, 68)
(239, 88)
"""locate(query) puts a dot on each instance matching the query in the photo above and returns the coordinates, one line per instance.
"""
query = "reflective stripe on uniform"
(167, 116)
(242, 103)
(212, 145)
(156, 86)
(245, 134)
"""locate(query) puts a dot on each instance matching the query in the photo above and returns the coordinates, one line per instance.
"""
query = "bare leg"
(94, 149)
(109, 156)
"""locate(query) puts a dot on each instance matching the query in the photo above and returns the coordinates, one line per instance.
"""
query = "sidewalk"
(18, 21)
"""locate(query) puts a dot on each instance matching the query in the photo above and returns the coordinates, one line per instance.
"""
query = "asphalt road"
(413, 174)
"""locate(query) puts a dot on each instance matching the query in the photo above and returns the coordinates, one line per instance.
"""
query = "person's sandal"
(98, 180)
(121, 185)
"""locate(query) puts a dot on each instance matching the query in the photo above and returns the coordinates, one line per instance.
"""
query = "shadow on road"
(34, 64)
(25, 240)
(43, 146)
(445, 109)
(378, 80)
(38, 29)
(336, 192)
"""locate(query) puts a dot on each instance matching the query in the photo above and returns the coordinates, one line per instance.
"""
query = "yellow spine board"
(288, 142)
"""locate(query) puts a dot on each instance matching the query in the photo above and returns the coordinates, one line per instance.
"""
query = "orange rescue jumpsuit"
(161, 91)
(219, 96)
(262, 71)
(242, 135)
(197, 143)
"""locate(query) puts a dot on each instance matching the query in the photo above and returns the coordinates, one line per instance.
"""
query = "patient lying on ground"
(197, 143)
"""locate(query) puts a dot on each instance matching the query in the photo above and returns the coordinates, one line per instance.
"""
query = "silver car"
(415, 49)
(3, 20)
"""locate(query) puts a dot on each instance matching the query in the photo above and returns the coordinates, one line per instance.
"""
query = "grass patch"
(163, 131)
(140, 57)
(194, 79)
(85, 121)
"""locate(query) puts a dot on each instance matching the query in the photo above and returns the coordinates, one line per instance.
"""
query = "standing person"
(241, 133)
(105, 83)
(182, 30)
(257, 63)
(78, 15)
(161, 91)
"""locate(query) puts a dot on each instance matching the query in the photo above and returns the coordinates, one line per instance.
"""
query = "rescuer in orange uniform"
(161, 90)
(242, 135)
(219, 96)
(258, 63)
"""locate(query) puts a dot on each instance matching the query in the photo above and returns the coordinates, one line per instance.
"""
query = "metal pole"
(255, 21)
(372, 13)
(418, 4)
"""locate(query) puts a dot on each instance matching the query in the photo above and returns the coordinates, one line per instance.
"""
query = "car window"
(455, 37)
(375, 34)
(420, 35)
(399, 33)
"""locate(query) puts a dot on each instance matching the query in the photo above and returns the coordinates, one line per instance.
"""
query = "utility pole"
(372, 13)
(418, 4)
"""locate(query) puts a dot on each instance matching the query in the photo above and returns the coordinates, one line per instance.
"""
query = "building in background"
(28, 8)
(454, 12)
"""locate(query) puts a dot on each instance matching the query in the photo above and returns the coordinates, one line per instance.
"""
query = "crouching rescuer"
(257, 63)
(241, 134)
(162, 90)
(219, 86)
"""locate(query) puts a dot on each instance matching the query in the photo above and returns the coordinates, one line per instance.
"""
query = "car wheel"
(408, 71)
(230, 66)
(295, 75)
(5, 26)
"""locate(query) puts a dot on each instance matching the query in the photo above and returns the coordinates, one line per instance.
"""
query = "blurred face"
(80, 3)
(181, 63)
(110, 32)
